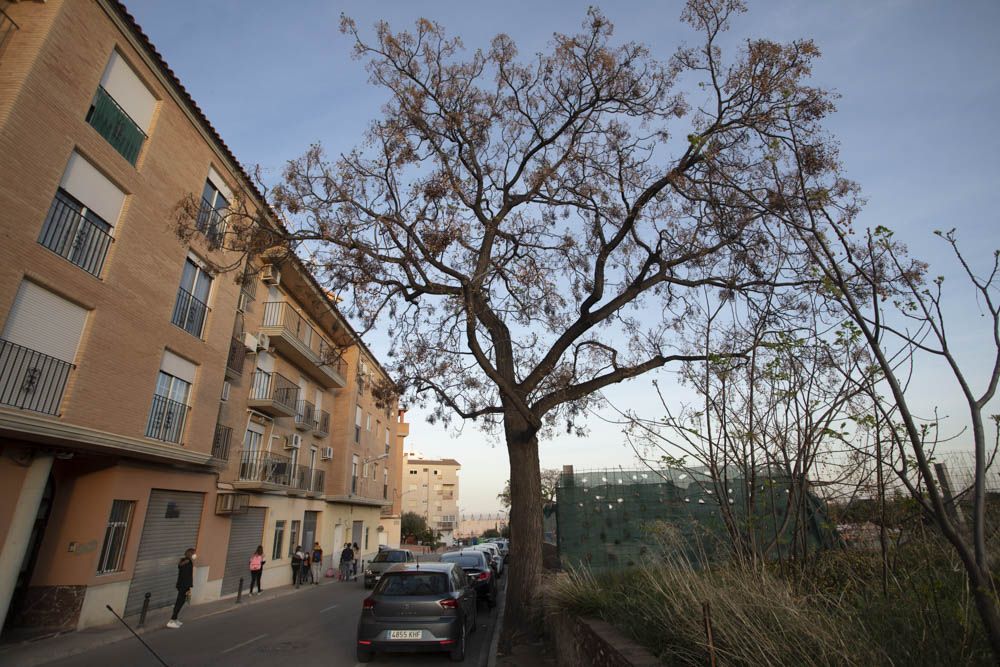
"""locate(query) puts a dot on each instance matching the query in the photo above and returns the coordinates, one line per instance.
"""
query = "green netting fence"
(611, 518)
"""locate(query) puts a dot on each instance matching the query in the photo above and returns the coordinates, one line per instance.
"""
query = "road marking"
(242, 644)
(333, 606)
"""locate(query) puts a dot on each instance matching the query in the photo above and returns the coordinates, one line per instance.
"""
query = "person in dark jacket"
(297, 558)
(185, 582)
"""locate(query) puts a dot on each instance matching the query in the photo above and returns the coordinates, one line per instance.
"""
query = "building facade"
(149, 402)
(474, 525)
(430, 489)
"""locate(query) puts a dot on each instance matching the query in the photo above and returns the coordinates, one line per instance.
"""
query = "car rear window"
(463, 560)
(390, 557)
(413, 583)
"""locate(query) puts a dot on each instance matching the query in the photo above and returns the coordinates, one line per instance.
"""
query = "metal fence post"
(145, 608)
(239, 592)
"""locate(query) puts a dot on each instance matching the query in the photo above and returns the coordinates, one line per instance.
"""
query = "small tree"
(412, 524)
(549, 483)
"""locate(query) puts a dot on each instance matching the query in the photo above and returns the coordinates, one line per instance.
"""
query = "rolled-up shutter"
(45, 322)
(171, 527)
(131, 94)
(246, 533)
(93, 189)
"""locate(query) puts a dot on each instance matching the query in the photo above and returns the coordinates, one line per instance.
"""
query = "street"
(314, 626)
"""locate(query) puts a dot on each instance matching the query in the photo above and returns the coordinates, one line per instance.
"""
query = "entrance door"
(172, 522)
(309, 530)
(356, 532)
(246, 532)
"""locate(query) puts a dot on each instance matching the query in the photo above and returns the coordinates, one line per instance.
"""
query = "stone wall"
(587, 642)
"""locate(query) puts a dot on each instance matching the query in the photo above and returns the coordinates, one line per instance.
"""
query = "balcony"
(300, 481)
(220, 443)
(31, 380)
(211, 223)
(264, 470)
(166, 420)
(318, 481)
(305, 416)
(248, 283)
(236, 359)
(302, 344)
(273, 394)
(321, 427)
(82, 239)
(7, 29)
(112, 123)
(189, 313)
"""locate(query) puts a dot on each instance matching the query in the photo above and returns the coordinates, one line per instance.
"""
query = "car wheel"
(458, 653)
(365, 655)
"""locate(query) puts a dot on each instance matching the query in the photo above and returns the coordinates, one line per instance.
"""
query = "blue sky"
(919, 83)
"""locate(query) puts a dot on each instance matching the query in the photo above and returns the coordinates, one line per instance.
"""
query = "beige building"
(430, 489)
(474, 525)
(148, 401)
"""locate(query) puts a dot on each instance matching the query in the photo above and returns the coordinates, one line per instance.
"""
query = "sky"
(919, 87)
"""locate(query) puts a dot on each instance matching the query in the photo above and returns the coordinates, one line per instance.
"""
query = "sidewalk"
(61, 645)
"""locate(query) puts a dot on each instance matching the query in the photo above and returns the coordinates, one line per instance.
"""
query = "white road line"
(333, 606)
(242, 644)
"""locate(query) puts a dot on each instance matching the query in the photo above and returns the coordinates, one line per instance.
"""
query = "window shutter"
(178, 367)
(129, 91)
(45, 322)
(95, 191)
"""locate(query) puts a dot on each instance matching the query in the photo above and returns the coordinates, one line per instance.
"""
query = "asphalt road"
(314, 626)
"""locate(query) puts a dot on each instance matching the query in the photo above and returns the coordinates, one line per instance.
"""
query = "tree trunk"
(523, 609)
(986, 604)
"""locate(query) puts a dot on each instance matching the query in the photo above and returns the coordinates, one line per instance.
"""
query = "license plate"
(405, 634)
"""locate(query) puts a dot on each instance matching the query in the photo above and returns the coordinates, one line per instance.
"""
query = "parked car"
(494, 550)
(475, 563)
(504, 545)
(383, 561)
(418, 607)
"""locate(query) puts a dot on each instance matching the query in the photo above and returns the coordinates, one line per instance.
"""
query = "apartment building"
(430, 489)
(148, 401)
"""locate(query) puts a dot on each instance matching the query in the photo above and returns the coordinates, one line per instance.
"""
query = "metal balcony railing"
(82, 239)
(274, 387)
(189, 312)
(322, 424)
(301, 478)
(211, 223)
(31, 380)
(111, 122)
(7, 29)
(282, 314)
(237, 356)
(221, 441)
(305, 415)
(166, 420)
(248, 284)
(318, 481)
(265, 467)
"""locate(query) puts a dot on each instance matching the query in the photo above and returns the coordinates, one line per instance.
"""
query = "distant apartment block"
(430, 489)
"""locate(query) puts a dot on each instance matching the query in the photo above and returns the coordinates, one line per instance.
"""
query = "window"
(366, 537)
(413, 472)
(252, 460)
(169, 411)
(385, 483)
(115, 537)
(37, 348)
(279, 540)
(214, 206)
(122, 108)
(386, 439)
(192, 298)
(293, 537)
(354, 473)
(368, 422)
(357, 425)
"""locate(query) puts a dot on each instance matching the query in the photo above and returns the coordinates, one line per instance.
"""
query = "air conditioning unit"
(327, 453)
(226, 388)
(269, 274)
(263, 341)
(243, 302)
(294, 441)
(250, 342)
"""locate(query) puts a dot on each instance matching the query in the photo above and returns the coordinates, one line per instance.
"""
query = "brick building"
(148, 401)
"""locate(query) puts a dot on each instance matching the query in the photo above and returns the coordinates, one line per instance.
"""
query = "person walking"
(356, 553)
(317, 563)
(296, 564)
(305, 573)
(185, 582)
(346, 556)
(256, 568)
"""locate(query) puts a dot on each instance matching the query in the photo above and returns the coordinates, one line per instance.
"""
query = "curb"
(491, 655)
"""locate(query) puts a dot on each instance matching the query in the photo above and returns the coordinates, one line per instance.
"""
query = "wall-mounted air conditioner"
(250, 341)
(243, 302)
(270, 275)
(327, 453)
(294, 441)
(226, 388)
(263, 341)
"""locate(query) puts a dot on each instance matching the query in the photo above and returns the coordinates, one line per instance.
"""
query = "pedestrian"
(356, 553)
(346, 556)
(305, 572)
(317, 563)
(185, 581)
(296, 564)
(256, 568)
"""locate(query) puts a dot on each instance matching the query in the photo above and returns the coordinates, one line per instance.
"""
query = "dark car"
(383, 561)
(418, 607)
(480, 573)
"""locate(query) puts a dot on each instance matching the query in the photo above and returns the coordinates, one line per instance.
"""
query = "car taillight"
(483, 576)
(449, 603)
(368, 604)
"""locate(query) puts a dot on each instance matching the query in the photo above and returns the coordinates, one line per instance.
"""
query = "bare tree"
(535, 230)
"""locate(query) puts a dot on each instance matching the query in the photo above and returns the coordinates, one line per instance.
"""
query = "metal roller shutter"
(172, 522)
(246, 533)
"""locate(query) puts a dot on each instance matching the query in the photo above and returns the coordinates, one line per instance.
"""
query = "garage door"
(245, 535)
(172, 521)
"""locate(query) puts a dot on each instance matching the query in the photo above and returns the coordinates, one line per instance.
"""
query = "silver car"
(383, 561)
